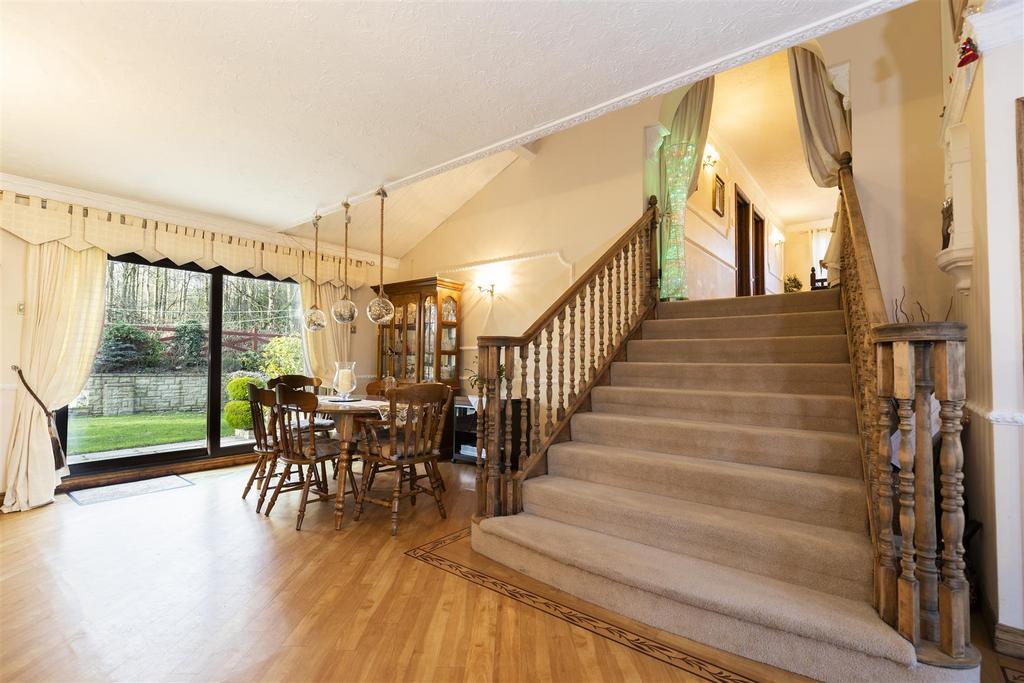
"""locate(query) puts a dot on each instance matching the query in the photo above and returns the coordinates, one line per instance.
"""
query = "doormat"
(103, 494)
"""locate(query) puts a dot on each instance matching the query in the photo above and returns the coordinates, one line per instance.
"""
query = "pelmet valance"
(37, 221)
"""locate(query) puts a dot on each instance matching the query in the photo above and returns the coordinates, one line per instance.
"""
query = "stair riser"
(807, 451)
(816, 413)
(826, 300)
(827, 506)
(821, 349)
(794, 325)
(831, 380)
(805, 560)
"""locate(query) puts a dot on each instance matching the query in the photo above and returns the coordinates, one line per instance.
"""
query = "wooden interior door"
(743, 242)
(758, 252)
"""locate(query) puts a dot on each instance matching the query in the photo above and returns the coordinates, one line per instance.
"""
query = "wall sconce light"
(710, 157)
(486, 289)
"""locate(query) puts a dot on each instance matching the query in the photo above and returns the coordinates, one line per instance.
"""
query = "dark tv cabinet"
(464, 431)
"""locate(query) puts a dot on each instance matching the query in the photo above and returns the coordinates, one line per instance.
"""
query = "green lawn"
(93, 434)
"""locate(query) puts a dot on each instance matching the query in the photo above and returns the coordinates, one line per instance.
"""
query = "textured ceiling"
(410, 212)
(754, 113)
(264, 111)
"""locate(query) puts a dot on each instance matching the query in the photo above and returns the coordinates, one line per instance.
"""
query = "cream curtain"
(824, 126)
(825, 131)
(680, 157)
(331, 344)
(65, 299)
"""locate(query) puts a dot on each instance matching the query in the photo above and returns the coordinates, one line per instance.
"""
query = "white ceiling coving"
(754, 113)
(263, 111)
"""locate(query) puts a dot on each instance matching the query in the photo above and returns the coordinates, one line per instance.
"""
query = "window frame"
(214, 357)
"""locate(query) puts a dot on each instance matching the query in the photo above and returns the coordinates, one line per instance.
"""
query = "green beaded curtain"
(680, 154)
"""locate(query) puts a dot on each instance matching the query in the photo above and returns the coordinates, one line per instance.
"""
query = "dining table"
(344, 413)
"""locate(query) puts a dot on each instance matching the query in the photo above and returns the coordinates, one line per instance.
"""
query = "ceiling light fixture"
(314, 320)
(381, 310)
(345, 310)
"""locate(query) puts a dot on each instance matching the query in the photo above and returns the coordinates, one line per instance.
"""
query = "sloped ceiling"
(754, 113)
(411, 212)
(262, 112)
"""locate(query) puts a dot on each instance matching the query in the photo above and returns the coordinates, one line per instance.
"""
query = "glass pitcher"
(344, 378)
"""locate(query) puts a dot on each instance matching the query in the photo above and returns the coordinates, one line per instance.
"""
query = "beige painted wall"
(896, 94)
(798, 256)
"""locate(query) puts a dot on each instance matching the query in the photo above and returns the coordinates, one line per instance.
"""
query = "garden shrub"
(238, 388)
(186, 348)
(283, 356)
(126, 348)
(238, 415)
(251, 361)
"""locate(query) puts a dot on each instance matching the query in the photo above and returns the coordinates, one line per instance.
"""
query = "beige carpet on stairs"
(714, 491)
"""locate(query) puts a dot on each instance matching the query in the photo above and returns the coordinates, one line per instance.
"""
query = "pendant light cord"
(316, 260)
(383, 193)
(348, 219)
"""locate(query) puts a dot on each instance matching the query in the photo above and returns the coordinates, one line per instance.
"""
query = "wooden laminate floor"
(191, 585)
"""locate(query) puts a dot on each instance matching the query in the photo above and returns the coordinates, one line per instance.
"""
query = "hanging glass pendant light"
(314, 319)
(381, 310)
(345, 310)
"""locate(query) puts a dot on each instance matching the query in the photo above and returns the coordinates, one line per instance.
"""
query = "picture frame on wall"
(718, 196)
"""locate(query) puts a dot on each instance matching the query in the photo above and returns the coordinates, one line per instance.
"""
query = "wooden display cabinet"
(421, 343)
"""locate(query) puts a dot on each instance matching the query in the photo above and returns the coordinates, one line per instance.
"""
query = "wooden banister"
(920, 591)
(572, 346)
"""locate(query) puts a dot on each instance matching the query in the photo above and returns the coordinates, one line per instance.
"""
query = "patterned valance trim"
(37, 220)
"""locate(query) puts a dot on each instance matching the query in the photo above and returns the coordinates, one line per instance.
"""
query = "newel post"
(653, 262)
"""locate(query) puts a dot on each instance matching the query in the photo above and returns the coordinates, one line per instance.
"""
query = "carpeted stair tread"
(752, 598)
(794, 378)
(788, 494)
(825, 559)
(794, 449)
(810, 323)
(820, 300)
(792, 411)
(826, 348)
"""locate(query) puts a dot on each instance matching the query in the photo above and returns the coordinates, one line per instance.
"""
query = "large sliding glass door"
(173, 340)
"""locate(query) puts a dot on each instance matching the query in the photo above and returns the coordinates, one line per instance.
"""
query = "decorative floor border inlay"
(652, 648)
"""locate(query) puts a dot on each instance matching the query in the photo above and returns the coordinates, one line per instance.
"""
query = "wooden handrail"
(550, 369)
(874, 305)
(579, 283)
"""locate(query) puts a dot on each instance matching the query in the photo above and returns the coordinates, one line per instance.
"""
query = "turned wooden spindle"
(524, 413)
(592, 372)
(549, 425)
(924, 494)
(885, 563)
(506, 472)
(908, 621)
(954, 592)
(535, 427)
(619, 315)
(634, 287)
(572, 351)
(481, 472)
(561, 365)
(600, 316)
(493, 446)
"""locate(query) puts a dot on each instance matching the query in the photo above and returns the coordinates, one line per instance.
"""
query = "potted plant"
(236, 411)
(476, 381)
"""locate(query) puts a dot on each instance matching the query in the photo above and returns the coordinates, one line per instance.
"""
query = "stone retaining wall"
(128, 394)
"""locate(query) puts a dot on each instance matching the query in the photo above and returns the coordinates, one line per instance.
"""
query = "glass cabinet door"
(411, 349)
(429, 337)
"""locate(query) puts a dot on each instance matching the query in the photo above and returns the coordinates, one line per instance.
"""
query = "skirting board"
(1008, 640)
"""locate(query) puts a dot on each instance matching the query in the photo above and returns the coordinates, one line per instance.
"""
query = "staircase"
(723, 469)
(714, 490)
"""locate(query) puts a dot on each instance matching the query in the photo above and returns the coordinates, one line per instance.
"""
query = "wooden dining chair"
(415, 423)
(299, 448)
(322, 423)
(263, 406)
(380, 387)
